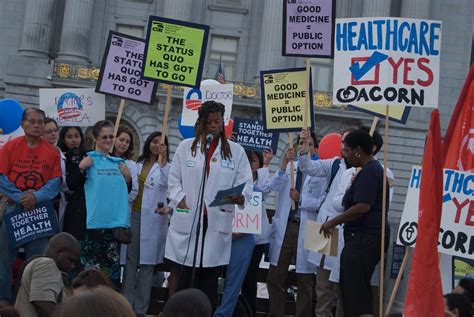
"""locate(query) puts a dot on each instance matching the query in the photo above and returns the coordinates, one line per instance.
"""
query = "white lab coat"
(328, 210)
(312, 195)
(184, 182)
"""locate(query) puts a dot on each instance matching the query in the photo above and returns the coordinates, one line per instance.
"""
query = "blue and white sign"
(456, 235)
(386, 61)
(253, 136)
(25, 226)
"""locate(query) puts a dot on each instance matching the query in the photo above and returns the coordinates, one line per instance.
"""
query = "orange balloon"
(330, 146)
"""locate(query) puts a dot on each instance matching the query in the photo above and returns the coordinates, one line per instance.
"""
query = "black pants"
(359, 257)
(249, 286)
(205, 280)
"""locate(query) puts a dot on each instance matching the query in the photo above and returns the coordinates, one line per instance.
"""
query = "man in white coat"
(334, 170)
(288, 231)
(227, 167)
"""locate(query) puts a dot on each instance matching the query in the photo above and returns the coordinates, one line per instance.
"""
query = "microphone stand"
(198, 228)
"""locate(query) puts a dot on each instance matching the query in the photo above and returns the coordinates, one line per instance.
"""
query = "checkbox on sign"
(373, 73)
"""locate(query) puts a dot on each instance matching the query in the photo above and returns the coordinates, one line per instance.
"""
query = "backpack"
(334, 170)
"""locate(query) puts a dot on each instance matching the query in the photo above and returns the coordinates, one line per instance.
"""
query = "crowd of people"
(116, 213)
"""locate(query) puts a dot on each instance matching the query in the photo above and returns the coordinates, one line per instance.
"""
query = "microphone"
(209, 138)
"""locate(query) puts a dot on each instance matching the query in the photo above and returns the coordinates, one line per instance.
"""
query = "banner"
(456, 236)
(73, 106)
(121, 69)
(308, 28)
(249, 219)
(25, 226)
(253, 136)
(194, 97)
(283, 99)
(175, 51)
(386, 61)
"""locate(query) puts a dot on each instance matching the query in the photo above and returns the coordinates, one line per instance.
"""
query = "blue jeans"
(8, 255)
(240, 256)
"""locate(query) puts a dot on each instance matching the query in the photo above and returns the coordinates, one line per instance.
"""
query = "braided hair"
(207, 108)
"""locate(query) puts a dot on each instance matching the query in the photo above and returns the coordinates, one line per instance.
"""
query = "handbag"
(122, 235)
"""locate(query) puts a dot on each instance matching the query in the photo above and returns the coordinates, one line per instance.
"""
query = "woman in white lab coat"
(228, 167)
(284, 226)
(149, 228)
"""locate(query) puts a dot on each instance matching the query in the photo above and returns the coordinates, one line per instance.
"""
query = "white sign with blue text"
(386, 61)
(456, 235)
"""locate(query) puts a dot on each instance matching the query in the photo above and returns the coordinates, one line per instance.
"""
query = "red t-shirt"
(29, 168)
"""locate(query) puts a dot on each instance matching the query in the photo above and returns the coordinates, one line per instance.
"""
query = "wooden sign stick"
(384, 209)
(306, 101)
(292, 168)
(164, 129)
(117, 120)
(374, 125)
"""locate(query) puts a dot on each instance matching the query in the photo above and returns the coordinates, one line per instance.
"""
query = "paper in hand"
(317, 242)
(223, 197)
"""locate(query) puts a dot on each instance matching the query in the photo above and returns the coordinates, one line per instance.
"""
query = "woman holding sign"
(362, 224)
(106, 203)
(191, 177)
(149, 226)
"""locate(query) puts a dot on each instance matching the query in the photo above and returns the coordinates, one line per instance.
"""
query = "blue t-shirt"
(106, 193)
(367, 188)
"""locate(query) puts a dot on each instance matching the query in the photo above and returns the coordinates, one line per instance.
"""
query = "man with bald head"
(42, 287)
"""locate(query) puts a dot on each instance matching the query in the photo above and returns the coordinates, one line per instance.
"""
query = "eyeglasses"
(51, 131)
(105, 137)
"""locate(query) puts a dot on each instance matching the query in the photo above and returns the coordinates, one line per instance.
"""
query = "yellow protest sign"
(175, 51)
(283, 99)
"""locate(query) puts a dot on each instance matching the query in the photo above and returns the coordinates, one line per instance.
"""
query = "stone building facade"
(59, 43)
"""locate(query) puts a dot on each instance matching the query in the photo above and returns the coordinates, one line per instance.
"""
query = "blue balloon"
(10, 115)
(185, 130)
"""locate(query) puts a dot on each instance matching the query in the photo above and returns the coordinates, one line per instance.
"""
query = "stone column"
(419, 9)
(269, 56)
(76, 30)
(177, 9)
(343, 9)
(37, 28)
(376, 8)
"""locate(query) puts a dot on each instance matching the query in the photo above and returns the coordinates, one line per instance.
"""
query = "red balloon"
(330, 146)
(228, 128)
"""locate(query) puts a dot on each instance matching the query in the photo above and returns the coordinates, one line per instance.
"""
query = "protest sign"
(397, 114)
(120, 73)
(73, 106)
(194, 97)
(175, 51)
(249, 219)
(456, 236)
(461, 268)
(283, 99)
(308, 28)
(386, 61)
(253, 136)
(25, 226)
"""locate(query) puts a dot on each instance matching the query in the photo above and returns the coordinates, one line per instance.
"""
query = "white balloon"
(209, 82)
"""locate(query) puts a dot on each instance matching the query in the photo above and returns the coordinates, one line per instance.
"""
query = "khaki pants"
(325, 292)
(276, 279)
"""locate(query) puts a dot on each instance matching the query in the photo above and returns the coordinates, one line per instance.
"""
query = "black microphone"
(209, 138)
